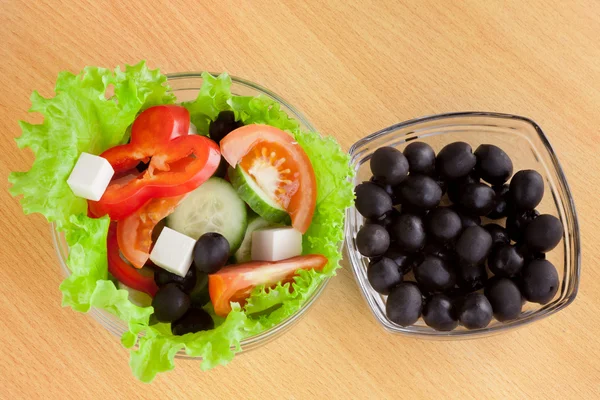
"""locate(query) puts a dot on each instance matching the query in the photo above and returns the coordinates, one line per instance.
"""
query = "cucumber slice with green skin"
(254, 196)
(243, 254)
(213, 207)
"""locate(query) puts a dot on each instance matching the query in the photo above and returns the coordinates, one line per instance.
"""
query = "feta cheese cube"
(173, 251)
(276, 244)
(90, 176)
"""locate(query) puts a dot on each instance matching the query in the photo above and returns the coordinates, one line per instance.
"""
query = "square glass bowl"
(525, 142)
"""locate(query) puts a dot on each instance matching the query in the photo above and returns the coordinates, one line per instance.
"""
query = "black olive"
(384, 275)
(467, 220)
(498, 233)
(473, 245)
(389, 165)
(455, 187)
(420, 192)
(386, 219)
(223, 125)
(443, 224)
(505, 260)
(526, 189)
(199, 294)
(421, 158)
(539, 281)
(475, 311)
(517, 222)
(371, 200)
(439, 313)
(477, 199)
(389, 189)
(372, 240)
(441, 250)
(493, 164)
(543, 233)
(505, 297)
(408, 231)
(163, 277)
(502, 204)
(195, 320)
(404, 260)
(434, 275)
(211, 252)
(455, 160)
(404, 304)
(170, 303)
(471, 277)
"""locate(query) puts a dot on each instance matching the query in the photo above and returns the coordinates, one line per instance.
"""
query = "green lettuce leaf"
(80, 118)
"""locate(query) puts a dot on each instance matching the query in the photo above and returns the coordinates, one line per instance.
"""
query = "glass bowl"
(186, 87)
(528, 147)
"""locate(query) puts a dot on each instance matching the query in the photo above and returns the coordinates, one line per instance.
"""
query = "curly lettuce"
(82, 116)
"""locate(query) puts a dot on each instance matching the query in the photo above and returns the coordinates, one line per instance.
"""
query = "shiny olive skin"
(371, 200)
(384, 275)
(526, 189)
(389, 189)
(211, 252)
(455, 160)
(504, 260)
(405, 261)
(421, 158)
(475, 311)
(389, 165)
(408, 230)
(170, 303)
(434, 275)
(477, 199)
(473, 245)
(502, 204)
(439, 313)
(456, 186)
(539, 281)
(187, 283)
(505, 298)
(543, 233)
(493, 164)
(443, 224)
(420, 192)
(471, 277)
(404, 304)
(467, 220)
(372, 240)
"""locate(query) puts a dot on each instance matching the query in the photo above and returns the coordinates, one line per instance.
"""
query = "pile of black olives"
(429, 251)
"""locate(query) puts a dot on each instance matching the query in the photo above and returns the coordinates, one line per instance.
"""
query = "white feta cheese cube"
(173, 251)
(90, 176)
(276, 244)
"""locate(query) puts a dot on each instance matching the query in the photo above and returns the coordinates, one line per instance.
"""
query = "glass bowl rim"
(249, 342)
(355, 152)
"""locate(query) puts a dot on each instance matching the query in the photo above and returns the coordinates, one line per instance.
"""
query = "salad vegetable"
(82, 117)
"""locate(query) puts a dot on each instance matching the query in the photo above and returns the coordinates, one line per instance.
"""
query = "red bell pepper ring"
(125, 273)
(179, 162)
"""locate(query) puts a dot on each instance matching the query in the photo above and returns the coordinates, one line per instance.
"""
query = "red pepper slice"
(179, 163)
(124, 272)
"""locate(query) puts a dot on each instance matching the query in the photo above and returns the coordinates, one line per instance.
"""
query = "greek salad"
(197, 223)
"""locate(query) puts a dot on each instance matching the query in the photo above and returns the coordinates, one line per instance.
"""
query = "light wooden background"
(352, 67)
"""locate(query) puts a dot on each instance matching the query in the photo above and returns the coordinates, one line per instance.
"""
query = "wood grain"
(352, 67)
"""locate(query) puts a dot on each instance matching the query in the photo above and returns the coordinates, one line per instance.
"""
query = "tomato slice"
(134, 233)
(124, 272)
(234, 283)
(278, 165)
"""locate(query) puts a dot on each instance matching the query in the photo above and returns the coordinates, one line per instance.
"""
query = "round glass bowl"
(528, 147)
(186, 87)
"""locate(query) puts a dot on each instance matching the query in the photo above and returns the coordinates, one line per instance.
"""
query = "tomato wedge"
(234, 283)
(124, 272)
(178, 162)
(278, 165)
(134, 233)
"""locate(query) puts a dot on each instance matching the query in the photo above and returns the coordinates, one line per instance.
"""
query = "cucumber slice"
(213, 207)
(243, 254)
(258, 201)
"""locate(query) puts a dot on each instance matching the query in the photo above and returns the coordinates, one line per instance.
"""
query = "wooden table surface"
(352, 67)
